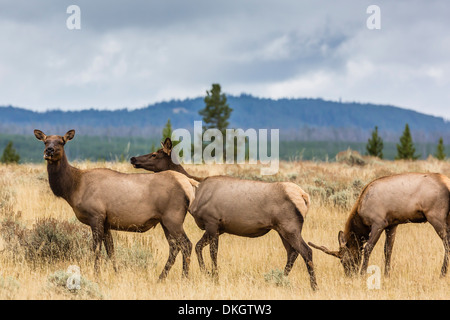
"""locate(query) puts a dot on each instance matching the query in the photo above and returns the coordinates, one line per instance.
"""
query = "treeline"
(406, 149)
(297, 119)
(84, 147)
(95, 148)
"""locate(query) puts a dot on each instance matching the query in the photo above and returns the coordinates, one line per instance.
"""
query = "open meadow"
(40, 239)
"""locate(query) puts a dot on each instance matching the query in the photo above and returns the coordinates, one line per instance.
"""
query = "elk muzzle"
(134, 163)
(48, 153)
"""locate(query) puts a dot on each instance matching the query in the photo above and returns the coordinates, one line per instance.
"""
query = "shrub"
(87, 289)
(51, 239)
(341, 199)
(13, 234)
(135, 257)
(8, 287)
(7, 199)
(277, 278)
(350, 157)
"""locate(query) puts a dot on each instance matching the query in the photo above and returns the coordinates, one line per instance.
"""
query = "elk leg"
(175, 234)
(296, 241)
(97, 235)
(388, 245)
(213, 249)
(445, 263)
(375, 234)
(186, 249)
(291, 256)
(109, 245)
(446, 240)
(447, 249)
(204, 241)
(306, 254)
(173, 252)
(443, 232)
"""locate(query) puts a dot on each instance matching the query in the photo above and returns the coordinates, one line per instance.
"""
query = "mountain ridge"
(304, 119)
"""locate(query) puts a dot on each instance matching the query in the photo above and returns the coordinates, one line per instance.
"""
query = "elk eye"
(153, 155)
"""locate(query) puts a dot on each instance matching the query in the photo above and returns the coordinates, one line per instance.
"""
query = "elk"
(244, 208)
(384, 204)
(109, 200)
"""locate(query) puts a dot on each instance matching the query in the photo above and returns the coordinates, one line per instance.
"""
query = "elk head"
(349, 253)
(156, 161)
(54, 145)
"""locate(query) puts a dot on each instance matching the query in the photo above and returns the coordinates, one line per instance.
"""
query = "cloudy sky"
(129, 54)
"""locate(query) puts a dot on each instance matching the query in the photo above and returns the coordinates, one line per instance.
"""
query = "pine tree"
(374, 145)
(216, 112)
(406, 149)
(9, 154)
(440, 151)
(167, 131)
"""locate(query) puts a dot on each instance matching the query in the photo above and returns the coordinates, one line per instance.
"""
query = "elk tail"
(299, 198)
(188, 185)
(192, 188)
(446, 181)
(194, 184)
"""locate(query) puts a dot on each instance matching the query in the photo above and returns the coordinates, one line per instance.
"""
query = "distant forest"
(122, 148)
(309, 128)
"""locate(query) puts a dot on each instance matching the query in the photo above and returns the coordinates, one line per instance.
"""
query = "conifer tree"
(440, 150)
(374, 145)
(9, 154)
(167, 131)
(406, 149)
(216, 112)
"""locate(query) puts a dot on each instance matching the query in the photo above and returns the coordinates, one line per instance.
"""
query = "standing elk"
(244, 208)
(384, 204)
(105, 199)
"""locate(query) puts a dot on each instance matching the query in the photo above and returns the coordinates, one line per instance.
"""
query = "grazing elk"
(384, 204)
(105, 199)
(244, 208)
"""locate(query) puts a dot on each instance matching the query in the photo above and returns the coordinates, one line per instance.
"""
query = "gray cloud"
(132, 53)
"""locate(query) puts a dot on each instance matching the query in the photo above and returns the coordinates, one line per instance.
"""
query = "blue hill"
(297, 119)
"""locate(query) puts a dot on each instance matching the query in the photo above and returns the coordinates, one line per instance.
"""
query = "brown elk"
(242, 207)
(384, 204)
(109, 200)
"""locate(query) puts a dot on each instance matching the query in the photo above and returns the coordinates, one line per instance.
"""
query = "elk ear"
(167, 146)
(40, 135)
(69, 135)
(355, 238)
(341, 239)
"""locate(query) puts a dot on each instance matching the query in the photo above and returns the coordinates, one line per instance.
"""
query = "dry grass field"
(31, 268)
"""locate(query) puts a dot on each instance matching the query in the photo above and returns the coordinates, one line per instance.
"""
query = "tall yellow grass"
(243, 263)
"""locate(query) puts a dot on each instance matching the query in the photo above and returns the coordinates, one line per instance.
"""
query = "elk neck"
(180, 169)
(63, 178)
(356, 233)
